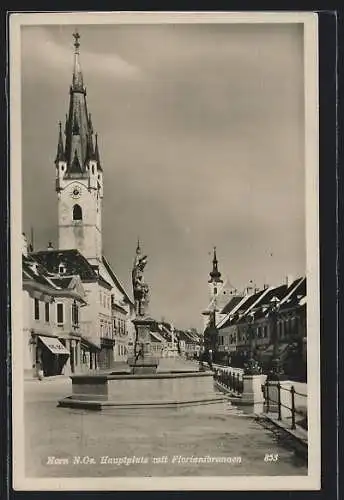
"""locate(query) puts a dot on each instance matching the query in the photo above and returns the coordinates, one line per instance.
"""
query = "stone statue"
(140, 288)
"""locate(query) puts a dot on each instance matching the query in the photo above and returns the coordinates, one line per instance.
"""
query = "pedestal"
(143, 361)
(252, 400)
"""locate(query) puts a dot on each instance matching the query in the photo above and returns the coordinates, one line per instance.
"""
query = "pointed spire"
(215, 275)
(60, 149)
(75, 167)
(96, 153)
(78, 84)
(79, 127)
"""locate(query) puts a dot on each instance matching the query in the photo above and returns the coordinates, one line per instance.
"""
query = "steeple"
(79, 179)
(79, 127)
(215, 275)
(78, 84)
(60, 149)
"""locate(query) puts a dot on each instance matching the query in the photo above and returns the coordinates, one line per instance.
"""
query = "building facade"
(52, 314)
(274, 314)
(107, 316)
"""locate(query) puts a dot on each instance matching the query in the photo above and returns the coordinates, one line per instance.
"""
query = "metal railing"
(230, 380)
(293, 408)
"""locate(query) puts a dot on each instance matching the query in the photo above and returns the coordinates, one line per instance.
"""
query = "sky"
(201, 135)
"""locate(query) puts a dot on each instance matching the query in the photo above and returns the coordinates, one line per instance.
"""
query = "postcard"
(164, 251)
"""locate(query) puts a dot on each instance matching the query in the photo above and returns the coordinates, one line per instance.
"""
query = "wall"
(85, 235)
(90, 321)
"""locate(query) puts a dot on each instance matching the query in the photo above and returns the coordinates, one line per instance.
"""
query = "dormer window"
(62, 268)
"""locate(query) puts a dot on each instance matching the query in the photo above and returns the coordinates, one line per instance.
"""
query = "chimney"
(50, 246)
(25, 244)
(266, 286)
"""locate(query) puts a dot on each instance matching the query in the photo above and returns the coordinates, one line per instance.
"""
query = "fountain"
(145, 384)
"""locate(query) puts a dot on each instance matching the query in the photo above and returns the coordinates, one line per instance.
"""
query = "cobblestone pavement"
(164, 440)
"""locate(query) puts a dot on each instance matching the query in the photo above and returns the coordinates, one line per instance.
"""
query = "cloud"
(40, 50)
(201, 141)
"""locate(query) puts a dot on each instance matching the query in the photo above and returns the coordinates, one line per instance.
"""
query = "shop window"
(77, 212)
(36, 308)
(60, 315)
(47, 312)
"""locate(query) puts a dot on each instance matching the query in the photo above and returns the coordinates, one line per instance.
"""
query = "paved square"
(63, 442)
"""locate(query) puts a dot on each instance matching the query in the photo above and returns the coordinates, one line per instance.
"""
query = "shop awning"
(54, 345)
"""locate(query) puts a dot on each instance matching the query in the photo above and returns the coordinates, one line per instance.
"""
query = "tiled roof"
(35, 271)
(116, 280)
(74, 262)
(278, 292)
(233, 301)
(62, 282)
(295, 293)
(260, 302)
(155, 337)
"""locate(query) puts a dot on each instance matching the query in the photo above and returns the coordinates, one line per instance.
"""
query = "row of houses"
(167, 341)
(77, 314)
(75, 319)
(273, 317)
(70, 328)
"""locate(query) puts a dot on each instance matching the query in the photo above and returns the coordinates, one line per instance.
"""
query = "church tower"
(79, 175)
(215, 281)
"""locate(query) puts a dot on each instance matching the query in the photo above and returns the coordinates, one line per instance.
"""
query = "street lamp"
(276, 369)
(252, 366)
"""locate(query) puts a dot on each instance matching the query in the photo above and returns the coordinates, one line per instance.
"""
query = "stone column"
(143, 360)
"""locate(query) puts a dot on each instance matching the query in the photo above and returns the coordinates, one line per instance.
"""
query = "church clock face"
(76, 192)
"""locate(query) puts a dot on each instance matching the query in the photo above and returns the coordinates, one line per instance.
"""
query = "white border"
(249, 483)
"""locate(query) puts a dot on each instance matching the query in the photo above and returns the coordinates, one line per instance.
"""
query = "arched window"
(77, 212)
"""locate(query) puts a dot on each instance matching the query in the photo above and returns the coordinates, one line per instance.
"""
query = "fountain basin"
(154, 390)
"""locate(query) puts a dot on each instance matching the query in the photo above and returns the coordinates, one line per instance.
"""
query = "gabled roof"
(36, 275)
(295, 293)
(74, 262)
(273, 292)
(188, 337)
(233, 301)
(116, 280)
(227, 320)
(35, 271)
(156, 337)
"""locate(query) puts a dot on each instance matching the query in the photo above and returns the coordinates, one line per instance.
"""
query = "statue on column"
(143, 361)
(140, 288)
